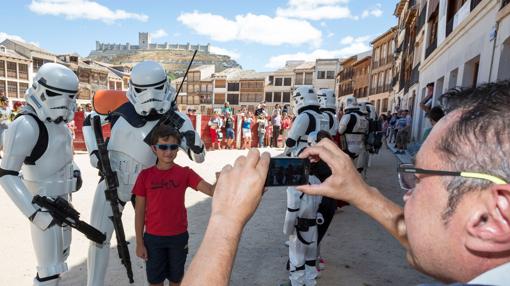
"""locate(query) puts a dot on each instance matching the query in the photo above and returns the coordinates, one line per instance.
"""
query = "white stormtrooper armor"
(150, 99)
(327, 102)
(301, 220)
(305, 105)
(354, 127)
(38, 143)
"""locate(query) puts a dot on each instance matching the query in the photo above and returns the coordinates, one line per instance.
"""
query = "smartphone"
(287, 172)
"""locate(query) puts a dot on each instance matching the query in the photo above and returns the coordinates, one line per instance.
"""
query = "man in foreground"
(455, 224)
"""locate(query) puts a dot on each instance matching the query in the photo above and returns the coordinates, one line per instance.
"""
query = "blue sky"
(260, 35)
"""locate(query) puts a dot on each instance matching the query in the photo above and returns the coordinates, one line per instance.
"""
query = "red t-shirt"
(165, 213)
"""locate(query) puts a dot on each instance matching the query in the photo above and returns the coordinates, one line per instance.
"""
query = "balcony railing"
(505, 2)
(430, 49)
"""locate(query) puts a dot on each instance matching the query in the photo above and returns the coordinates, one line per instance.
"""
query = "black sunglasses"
(165, 147)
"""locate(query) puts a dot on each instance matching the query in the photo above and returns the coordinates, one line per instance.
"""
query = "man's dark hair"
(430, 84)
(479, 141)
(436, 113)
(164, 132)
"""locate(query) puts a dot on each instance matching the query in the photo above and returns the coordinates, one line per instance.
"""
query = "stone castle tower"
(144, 40)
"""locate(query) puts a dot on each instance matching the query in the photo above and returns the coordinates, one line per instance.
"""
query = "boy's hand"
(141, 251)
(239, 189)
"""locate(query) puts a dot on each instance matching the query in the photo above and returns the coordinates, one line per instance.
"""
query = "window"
(278, 81)
(118, 85)
(330, 74)
(233, 86)
(286, 97)
(233, 99)
(23, 71)
(12, 89)
(269, 97)
(37, 63)
(287, 81)
(2, 68)
(220, 83)
(321, 75)
(299, 78)
(277, 97)
(308, 78)
(111, 85)
(251, 97)
(271, 79)
(2, 88)
(219, 98)
(11, 70)
(22, 88)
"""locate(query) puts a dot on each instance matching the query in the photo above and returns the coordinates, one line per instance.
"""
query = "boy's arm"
(206, 188)
(139, 219)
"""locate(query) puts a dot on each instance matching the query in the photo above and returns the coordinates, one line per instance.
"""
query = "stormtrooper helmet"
(149, 89)
(327, 98)
(53, 93)
(350, 104)
(304, 96)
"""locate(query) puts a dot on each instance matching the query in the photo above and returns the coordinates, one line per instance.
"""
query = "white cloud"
(82, 9)
(4, 36)
(221, 51)
(352, 46)
(330, 34)
(159, 34)
(260, 29)
(316, 9)
(374, 11)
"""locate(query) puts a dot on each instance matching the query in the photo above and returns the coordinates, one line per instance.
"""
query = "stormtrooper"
(353, 129)
(327, 102)
(308, 119)
(150, 99)
(38, 144)
(301, 217)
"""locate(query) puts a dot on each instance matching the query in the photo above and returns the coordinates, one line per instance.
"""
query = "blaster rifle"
(63, 213)
(112, 183)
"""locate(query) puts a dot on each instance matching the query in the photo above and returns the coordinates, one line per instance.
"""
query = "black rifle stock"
(112, 183)
(63, 213)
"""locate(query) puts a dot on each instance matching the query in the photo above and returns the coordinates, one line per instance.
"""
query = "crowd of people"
(271, 127)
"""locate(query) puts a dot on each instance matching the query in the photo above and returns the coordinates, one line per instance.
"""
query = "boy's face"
(166, 156)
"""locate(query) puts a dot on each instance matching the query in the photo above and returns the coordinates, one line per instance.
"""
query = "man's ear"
(488, 226)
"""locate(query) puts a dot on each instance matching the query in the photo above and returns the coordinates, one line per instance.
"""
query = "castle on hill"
(144, 43)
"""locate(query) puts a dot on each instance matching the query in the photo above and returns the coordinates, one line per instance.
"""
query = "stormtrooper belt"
(303, 224)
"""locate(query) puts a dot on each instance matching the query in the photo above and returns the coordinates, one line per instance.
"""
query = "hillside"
(174, 61)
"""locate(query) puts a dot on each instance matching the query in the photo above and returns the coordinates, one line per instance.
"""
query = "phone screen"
(287, 172)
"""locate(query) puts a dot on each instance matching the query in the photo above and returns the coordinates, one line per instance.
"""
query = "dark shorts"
(167, 256)
(230, 133)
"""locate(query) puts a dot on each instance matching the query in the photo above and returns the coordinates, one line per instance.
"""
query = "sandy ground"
(357, 249)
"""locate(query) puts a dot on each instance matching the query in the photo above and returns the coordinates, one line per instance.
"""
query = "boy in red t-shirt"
(160, 215)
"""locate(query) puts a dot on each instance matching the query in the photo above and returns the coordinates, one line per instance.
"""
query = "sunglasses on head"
(165, 147)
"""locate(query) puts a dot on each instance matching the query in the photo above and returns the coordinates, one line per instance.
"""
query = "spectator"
(393, 128)
(276, 122)
(229, 130)
(454, 225)
(286, 124)
(261, 110)
(160, 214)
(402, 133)
(261, 129)
(435, 114)
(226, 108)
(285, 108)
(426, 103)
(269, 134)
(246, 127)
(88, 110)
(5, 115)
(215, 125)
